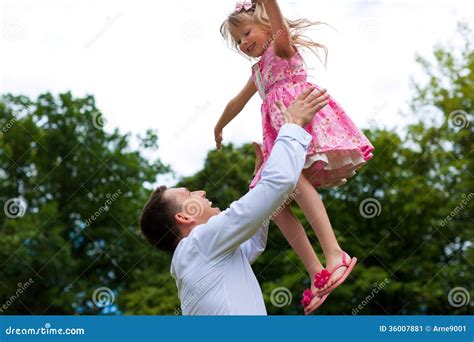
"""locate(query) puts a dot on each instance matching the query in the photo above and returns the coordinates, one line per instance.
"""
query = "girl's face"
(251, 38)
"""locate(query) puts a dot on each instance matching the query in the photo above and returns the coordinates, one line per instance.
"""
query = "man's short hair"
(157, 222)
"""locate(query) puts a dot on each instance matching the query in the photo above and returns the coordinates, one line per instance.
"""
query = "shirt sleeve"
(225, 232)
(255, 246)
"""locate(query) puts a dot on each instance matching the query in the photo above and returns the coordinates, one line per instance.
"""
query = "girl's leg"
(296, 236)
(310, 202)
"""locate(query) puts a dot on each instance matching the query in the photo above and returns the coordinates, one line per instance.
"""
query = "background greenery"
(74, 239)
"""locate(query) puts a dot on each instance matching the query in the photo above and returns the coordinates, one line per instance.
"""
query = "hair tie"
(245, 5)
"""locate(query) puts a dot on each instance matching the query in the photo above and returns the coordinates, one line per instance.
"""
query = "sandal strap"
(344, 263)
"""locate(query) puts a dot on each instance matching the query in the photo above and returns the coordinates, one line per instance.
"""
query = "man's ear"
(181, 218)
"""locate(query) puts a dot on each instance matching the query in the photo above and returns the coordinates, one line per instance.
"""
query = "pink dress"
(338, 147)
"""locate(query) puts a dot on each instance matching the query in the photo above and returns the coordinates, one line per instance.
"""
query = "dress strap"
(259, 80)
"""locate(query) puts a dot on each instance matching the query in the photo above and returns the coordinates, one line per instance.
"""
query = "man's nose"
(200, 193)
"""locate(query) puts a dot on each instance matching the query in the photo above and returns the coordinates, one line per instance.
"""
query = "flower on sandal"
(307, 297)
(321, 278)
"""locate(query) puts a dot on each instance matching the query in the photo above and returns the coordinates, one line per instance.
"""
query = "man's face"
(194, 206)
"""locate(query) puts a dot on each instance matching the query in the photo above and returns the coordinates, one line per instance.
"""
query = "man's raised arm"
(225, 232)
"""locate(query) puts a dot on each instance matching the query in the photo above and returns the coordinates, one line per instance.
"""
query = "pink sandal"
(308, 297)
(323, 276)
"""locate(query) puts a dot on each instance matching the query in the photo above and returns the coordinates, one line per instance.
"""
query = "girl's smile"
(251, 47)
(251, 38)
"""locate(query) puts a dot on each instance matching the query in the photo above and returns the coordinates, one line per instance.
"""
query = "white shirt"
(211, 265)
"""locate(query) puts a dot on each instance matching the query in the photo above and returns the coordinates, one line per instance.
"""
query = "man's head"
(171, 214)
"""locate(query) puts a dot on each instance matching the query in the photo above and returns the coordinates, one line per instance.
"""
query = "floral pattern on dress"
(338, 147)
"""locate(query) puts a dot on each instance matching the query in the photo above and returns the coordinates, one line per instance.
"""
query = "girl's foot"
(310, 298)
(312, 277)
(311, 303)
(339, 269)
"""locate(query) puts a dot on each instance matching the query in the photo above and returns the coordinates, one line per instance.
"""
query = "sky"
(163, 64)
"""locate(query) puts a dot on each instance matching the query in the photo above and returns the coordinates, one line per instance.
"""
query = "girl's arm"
(233, 108)
(281, 37)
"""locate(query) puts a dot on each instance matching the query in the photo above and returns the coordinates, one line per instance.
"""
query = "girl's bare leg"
(310, 202)
(295, 234)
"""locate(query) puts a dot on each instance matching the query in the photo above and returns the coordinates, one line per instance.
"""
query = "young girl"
(258, 30)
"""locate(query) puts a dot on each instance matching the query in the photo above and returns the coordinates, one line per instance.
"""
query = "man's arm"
(225, 232)
(255, 246)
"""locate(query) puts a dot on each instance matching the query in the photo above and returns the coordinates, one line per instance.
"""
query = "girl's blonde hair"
(258, 14)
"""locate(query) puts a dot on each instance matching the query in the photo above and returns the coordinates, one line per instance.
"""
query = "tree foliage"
(79, 191)
(72, 194)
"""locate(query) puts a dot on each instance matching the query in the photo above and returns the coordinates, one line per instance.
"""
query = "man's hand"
(218, 138)
(258, 157)
(305, 107)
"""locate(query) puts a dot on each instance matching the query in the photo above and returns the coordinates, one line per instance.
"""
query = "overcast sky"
(163, 65)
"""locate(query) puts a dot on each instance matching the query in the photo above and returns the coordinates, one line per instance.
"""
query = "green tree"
(79, 191)
(72, 194)
(405, 215)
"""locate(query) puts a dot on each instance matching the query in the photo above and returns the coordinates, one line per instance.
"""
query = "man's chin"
(214, 211)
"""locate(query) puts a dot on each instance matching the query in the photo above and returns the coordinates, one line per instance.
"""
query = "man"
(213, 250)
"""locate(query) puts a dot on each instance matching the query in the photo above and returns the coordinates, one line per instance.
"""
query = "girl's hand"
(218, 138)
